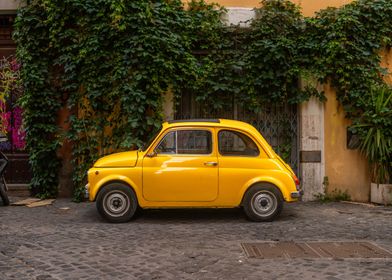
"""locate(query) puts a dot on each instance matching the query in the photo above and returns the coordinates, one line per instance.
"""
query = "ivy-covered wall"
(110, 63)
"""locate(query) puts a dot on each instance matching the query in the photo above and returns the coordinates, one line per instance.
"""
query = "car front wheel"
(263, 203)
(117, 203)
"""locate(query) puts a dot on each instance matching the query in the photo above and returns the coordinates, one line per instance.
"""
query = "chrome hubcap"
(264, 203)
(116, 203)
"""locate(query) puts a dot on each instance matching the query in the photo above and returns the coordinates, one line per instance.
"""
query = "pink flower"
(14, 65)
(15, 129)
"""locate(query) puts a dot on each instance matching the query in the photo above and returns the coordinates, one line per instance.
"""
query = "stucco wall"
(386, 62)
(346, 169)
(309, 7)
(8, 5)
(168, 106)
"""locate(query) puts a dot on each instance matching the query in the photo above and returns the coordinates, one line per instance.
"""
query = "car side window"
(186, 142)
(234, 143)
(167, 144)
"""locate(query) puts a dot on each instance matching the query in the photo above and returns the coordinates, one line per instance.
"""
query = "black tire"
(263, 202)
(117, 203)
(3, 194)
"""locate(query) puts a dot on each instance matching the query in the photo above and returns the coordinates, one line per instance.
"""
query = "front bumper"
(87, 191)
(297, 194)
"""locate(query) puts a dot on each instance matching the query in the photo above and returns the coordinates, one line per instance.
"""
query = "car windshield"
(154, 134)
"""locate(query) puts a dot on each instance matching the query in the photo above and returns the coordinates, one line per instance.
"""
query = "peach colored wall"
(347, 170)
(386, 62)
(309, 7)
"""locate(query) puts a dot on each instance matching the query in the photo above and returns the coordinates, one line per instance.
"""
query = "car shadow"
(190, 215)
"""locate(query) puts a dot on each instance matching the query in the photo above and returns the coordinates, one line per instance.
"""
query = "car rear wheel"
(117, 203)
(263, 203)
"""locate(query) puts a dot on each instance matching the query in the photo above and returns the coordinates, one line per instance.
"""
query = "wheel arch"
(114, 179)
(265, 180)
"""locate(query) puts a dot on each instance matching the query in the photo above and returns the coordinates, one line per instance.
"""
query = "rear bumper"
(297, 194)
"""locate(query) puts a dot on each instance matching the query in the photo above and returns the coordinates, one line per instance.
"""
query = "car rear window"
(234, 143)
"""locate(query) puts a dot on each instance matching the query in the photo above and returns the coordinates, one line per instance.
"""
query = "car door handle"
(210, 163)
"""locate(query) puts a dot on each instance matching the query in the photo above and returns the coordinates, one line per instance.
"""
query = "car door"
(240, 160)
(182, 167)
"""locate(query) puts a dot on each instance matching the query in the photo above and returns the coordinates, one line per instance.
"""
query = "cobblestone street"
(53, 243)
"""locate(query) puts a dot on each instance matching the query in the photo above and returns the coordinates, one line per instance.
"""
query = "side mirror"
(152, 154)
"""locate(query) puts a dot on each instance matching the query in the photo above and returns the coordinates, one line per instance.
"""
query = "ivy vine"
(40, 100)
(345, 44)
(112, 61)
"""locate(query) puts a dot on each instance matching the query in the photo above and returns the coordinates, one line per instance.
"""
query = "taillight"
(296, 180)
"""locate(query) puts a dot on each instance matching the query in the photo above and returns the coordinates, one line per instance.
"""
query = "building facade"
(325, 163)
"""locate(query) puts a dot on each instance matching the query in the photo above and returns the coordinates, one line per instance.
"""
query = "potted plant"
(374, 128)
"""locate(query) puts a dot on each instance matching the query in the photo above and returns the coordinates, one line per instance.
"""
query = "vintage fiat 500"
(195, 163)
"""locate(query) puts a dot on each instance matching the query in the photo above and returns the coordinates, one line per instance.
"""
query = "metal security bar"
(278, 123)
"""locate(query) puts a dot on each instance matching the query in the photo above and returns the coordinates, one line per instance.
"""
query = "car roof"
(211, 123)
(220, 123)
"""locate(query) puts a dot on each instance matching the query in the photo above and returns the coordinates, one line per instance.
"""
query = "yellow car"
(195, 163)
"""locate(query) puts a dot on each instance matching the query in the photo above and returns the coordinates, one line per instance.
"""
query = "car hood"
(124, 159)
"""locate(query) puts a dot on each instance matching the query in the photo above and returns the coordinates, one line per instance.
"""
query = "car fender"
(266, 179)
(113, 178)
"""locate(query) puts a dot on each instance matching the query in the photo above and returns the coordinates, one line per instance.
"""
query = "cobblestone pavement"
(50, 243)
